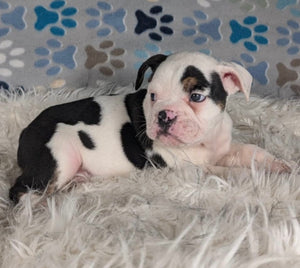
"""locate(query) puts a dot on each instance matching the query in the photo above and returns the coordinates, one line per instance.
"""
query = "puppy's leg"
(65, 149)
(243, 155)
(46, 170)
(38, 170)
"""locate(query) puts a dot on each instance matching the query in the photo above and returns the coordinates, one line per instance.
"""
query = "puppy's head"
(187, 94)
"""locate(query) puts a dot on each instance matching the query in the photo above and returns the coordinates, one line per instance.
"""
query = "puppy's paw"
(279, 166)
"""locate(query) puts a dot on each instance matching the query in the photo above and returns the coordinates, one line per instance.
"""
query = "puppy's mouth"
(173, 131)
(168, 139)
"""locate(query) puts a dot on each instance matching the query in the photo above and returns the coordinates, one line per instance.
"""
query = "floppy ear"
(153, 62)
(235, 78)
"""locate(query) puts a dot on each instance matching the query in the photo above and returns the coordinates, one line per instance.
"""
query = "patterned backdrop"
(74, 43)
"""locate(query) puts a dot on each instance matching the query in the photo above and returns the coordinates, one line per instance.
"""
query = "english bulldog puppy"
(180, 118)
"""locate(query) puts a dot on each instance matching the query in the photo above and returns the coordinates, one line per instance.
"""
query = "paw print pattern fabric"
(60, 43)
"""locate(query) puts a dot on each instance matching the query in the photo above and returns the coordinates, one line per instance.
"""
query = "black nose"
(165, 121)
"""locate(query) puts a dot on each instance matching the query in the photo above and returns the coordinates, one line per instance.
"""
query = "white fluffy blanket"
(159, 218)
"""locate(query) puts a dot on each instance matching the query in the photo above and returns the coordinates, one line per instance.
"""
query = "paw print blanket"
(61, 43)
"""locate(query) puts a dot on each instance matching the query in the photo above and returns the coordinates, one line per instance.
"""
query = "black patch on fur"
(34, 157)
(139, 140)
(157, 161)
(87, 111)
(38, 170)
(200, 81)
(131, 147)
(86, 140)
(134, 106)
(217, 92)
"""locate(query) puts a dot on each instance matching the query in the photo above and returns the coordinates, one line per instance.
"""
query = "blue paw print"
(143, 54)
(282, 4)
(240, 32)
(14, 19)
(258, 71)
(113, 19)
(64, 57)
(146, 23)
(291, 35)
(202, 31)
(48, 17)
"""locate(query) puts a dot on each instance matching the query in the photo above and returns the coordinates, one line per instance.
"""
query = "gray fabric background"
(274, 65)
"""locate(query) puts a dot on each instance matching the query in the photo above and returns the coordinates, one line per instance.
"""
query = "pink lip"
(168, 138)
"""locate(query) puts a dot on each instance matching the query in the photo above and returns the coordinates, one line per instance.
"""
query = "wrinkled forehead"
(184, 68)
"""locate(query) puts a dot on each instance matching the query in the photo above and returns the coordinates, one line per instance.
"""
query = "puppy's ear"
(153, 62)
(235, 78)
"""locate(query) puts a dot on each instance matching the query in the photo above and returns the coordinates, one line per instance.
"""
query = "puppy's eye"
(196, 97)
(153, 96)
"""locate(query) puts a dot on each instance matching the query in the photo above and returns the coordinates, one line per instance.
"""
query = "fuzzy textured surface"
(158, 218)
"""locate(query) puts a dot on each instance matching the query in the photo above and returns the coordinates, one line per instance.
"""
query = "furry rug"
(158, 218)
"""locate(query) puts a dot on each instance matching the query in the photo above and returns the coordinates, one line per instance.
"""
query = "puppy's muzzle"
(166, 119)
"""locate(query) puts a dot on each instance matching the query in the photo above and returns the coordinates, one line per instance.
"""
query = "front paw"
(277, 165)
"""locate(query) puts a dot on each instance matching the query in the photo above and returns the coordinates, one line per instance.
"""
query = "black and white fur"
(179, 119)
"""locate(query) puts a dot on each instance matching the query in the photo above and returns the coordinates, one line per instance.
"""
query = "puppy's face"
(187, 95)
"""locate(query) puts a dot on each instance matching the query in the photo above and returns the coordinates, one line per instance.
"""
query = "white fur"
(201, 133)
(71, 155)
(158, 218)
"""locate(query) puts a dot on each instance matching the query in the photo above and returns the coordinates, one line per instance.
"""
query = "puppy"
(179, 119)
